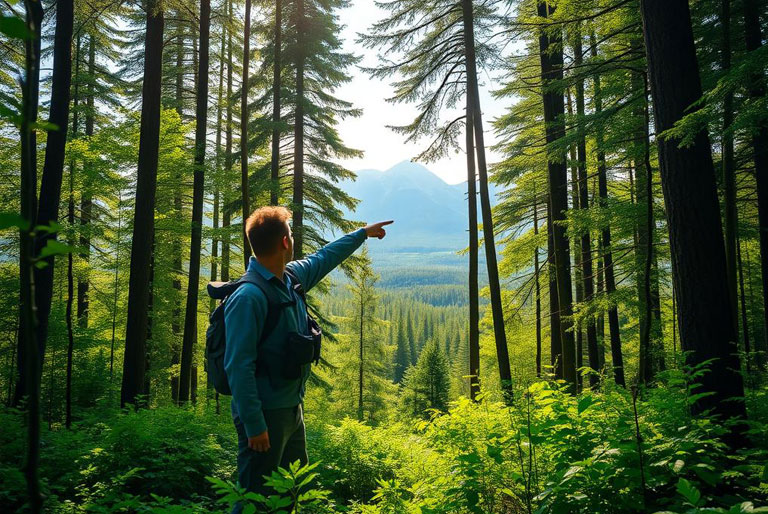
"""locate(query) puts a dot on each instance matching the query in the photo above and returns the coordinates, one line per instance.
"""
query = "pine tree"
(687, 174)
(143, 223)
(427, 385)
(402, 354)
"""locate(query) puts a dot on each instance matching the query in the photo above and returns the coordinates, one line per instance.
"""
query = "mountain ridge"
(431, 217)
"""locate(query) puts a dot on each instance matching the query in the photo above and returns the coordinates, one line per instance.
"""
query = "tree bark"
(551, 56)
(178, 214)
(693, 213)
(537, 287)
(226, 211)
(86, 196)
(578, 284)
(617, 356)
(190, 318)
(276, 85)
(298, 138)
(651, 349)
(587, 276)
(244, 130)
(146, 386)
(753, 40)
(144, 220)
(729, 173)
(29, 351)
(116, 290)
(70, 299)
(474, 305)
(473, 95)
(53, 167)
(360, 369)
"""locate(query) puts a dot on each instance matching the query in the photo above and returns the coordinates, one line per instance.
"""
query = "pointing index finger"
(388, 222)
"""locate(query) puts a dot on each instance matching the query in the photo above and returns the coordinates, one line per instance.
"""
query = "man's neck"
(273, 264)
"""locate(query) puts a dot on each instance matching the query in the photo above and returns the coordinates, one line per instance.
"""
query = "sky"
(384, 148)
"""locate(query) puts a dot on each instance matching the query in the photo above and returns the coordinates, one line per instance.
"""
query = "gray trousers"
(287, 441)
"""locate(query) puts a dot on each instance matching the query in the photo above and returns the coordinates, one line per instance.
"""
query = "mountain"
(430, 215)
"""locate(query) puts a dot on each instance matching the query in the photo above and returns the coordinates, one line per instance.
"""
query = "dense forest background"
(599, 347)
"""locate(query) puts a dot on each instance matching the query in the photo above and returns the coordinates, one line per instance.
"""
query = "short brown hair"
(265, 228)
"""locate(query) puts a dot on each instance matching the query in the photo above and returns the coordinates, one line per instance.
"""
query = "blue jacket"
(244, 315)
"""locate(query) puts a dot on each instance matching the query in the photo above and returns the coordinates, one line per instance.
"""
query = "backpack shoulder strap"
(274, 304)
(296, 284)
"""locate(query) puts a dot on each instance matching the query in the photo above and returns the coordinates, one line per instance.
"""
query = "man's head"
(269, 233)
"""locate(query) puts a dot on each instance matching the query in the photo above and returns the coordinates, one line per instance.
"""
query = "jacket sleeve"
(311, 269)
(244, 313)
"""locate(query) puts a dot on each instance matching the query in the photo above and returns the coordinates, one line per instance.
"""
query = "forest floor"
(548, 452)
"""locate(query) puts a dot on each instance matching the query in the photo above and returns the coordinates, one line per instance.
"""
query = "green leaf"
(689, 492)
(707, 473)
(764, 474)
(44, 125)
(14, 27)
(51, 228)
(54, 247)
(585, 402)
(11, 219)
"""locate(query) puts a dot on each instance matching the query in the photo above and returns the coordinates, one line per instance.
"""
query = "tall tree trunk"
(753, 40)
(201, 129)
(86, 195)
(693, 213)
(29, 367)
(276, 85)
(70, 299)
(551, 56)
(71, 221)
(178, 215)
(617, 357)
(651, 355)
(178, 103)
(298, 138)
(217, 177)
(729, 172)
(555, 332)
(586, 241)
(226, 211)
(537, 287)
(115, 291)
(474, 305)
(12, 369)
(150, 322)
(134, 362)
(600, 322)
(473, 94)
(578, 285)
(744, 317)
(360, 369)
(244, 188)
(53, 167)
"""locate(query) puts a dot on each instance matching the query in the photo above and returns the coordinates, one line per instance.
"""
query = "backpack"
(215, 337)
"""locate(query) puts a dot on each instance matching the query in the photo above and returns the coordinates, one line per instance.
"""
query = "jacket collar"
(254, 266)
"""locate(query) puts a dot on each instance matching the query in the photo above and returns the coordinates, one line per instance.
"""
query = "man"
(267, 407)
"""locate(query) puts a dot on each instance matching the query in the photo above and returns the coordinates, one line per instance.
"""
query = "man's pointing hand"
(377, 229)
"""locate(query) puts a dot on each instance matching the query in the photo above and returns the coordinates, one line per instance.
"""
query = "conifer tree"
(427, 384)
(136, 330)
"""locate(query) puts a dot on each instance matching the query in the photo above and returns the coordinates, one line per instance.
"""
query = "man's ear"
(285, 242)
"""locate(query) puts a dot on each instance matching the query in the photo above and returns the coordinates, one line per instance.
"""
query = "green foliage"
(549, 452)
(426, 385)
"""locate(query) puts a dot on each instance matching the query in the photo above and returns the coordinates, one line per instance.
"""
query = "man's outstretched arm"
(311, 269)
